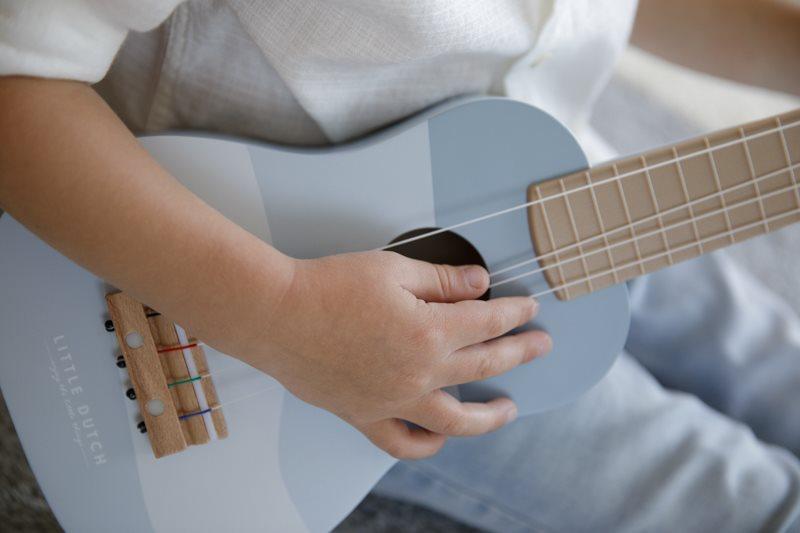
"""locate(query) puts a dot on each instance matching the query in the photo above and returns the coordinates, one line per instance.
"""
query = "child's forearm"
(371, 337)
(72, 173)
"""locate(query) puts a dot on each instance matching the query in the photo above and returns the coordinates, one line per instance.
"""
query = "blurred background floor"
(648, 103)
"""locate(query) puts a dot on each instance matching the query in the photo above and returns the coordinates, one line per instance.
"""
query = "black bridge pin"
(109, 324)
(141, 427)
(121, 361)
(130, 393)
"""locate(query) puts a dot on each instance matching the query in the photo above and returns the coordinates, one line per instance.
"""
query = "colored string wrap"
(180, 347)
(184, 381)
(191, 366)
(196, 413)
(209, 410)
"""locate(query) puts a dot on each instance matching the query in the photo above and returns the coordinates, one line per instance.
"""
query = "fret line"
(628, 218)
(688, 199)
(602, 226)
(551, 239)
(575, 233)
(730, 207)
(529, 204)
(675, 209)
(679, 248)
(788, 157)
(659, 218)
(756, 185)
(719, 186)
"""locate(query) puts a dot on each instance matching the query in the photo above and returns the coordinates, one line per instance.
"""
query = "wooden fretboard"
(610, 223)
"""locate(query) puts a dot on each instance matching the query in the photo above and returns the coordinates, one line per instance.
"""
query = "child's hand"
(373, 338)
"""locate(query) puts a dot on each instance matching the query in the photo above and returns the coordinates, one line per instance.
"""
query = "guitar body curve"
(286, 466)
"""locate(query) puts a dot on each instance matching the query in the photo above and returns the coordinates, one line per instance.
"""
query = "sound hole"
(446, 248)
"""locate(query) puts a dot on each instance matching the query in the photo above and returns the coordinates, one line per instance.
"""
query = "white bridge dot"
(155, 407)
(134, 340)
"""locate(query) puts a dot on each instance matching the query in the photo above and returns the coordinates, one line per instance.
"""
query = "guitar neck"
(636, 215)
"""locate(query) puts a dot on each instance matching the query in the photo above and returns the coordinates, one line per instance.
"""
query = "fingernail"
(534, 306)
(544, 344)
(512, 414)
(540, 346)
(476, 277)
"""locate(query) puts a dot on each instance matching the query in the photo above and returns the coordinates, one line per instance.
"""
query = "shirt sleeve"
(71, 39)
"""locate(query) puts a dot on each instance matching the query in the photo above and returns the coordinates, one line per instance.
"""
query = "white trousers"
(695, 428)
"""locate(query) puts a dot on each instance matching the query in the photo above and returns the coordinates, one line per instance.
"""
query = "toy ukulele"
(140, 429)
(169, 375)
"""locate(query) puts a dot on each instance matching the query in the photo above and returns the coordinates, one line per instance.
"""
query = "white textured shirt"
(315, 71)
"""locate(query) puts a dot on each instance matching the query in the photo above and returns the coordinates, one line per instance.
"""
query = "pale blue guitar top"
(286, 465)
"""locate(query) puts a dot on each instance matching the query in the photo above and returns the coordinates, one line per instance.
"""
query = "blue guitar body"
(286, 465)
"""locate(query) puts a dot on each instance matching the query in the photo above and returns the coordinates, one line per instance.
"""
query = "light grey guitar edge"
(452, 163)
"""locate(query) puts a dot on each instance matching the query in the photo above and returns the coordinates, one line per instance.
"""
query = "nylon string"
(591, 186)
(194, 379)
(630, 226)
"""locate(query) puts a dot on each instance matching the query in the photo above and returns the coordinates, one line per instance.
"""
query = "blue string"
(188, 415)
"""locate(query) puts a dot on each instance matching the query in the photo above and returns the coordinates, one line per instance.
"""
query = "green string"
(182, 381)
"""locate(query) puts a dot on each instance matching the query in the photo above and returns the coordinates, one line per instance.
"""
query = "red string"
(176, 348)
